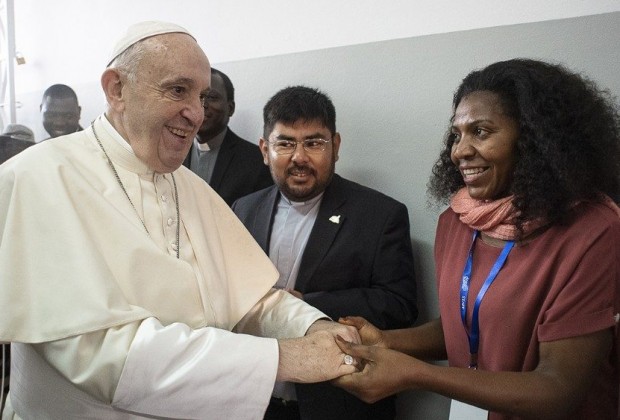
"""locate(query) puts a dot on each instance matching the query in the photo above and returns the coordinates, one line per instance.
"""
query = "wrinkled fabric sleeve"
(588, 299)
(279, 315)
(170, 371)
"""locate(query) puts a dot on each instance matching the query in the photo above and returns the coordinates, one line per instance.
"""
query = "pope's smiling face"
(484, 147)
(161, 110)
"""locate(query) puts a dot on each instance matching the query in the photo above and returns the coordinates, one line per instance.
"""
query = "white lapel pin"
(335, 219)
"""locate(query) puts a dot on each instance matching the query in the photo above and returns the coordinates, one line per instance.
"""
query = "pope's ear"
(112, 83)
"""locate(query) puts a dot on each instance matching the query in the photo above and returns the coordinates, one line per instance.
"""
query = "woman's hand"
(371, 335)
(384, 372)
(566, 370)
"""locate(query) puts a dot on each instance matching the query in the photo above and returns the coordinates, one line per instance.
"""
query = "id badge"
(461, 411)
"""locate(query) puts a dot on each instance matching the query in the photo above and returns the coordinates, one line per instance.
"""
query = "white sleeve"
(92, 362)
(171, 371)
(279, 315)
(175, 371)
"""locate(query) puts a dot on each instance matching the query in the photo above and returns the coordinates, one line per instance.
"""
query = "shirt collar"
(301, 205)
(115, 134)
(212, 144)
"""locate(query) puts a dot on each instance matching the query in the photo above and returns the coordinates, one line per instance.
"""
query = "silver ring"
(348, 359)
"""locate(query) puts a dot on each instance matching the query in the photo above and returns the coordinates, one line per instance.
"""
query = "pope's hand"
(313, 358)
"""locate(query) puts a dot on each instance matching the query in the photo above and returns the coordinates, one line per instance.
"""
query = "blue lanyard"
(473, 336)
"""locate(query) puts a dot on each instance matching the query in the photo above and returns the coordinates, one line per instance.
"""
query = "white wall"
(66, 41)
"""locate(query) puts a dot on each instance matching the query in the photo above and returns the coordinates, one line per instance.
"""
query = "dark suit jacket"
(239, 169)
(362, 265)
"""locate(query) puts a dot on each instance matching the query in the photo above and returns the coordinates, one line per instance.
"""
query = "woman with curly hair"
(527, 256)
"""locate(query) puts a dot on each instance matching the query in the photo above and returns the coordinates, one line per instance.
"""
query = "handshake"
(321, 354)
(353, 354)
(316, 357)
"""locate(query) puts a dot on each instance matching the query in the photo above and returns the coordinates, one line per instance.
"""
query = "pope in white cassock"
(128, 289)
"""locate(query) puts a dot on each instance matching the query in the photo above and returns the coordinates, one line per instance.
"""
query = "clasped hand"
(380, 371)
(316, 357)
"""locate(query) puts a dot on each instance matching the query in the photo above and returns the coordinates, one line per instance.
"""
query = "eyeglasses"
(288, 147)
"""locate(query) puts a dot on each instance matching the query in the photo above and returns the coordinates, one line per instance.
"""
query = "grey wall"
(393, 103)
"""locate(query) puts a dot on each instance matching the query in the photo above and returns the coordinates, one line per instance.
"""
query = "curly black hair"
(569, 140)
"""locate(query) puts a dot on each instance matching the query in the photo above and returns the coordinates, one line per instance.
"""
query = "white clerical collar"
(212, 144)
(115, 134)
(300, 204)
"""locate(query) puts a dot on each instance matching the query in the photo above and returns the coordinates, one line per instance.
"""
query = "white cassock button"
(173, 246)
(164, 198)
(170, 221)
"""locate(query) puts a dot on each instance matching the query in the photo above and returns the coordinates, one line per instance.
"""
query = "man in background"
(14, 139)
(339, 246)
(232, 166)
(60, 111)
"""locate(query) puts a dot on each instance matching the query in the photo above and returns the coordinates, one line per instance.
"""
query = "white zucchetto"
(143, 30)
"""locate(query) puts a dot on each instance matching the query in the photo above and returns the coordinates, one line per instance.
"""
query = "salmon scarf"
(496, 217)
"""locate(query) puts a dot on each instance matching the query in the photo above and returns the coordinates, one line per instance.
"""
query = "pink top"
(564, 283)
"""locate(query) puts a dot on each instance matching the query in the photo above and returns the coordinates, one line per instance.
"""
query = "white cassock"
(104, 320)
